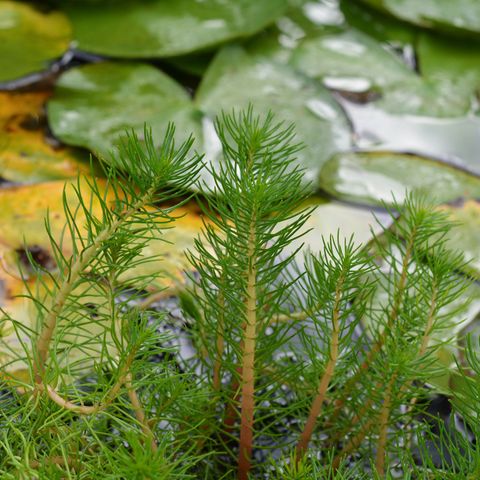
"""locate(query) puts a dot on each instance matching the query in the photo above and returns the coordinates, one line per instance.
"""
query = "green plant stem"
(140, 413)
(220, 343)
(91, 409)
(48, 327)
(354, 442)
(317, 403)
(383, 433)
(247, 405)
(378, 344)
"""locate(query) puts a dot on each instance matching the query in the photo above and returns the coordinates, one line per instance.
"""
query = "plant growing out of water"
(305, 368)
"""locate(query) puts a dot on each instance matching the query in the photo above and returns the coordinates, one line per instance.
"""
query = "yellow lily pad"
(22, 228)
(25, 155)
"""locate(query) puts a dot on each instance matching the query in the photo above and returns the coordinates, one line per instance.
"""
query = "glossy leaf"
(374, 177)
(30, 39)
(236, 79)
(159, 28)
(462, 16)
(95, 104)
(349, 59)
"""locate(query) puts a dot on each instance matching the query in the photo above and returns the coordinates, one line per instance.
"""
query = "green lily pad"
(30, 39)
(349, 57)
(462, 16)
(428, 97)
(236, 79)
(159, 28)
(452, 59)
(94, 104)
(377, 25)
(374, 177)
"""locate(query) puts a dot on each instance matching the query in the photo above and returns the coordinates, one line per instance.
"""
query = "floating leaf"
(30, 39)
(335, 218)
(377, 25)
(458, 16)
(23, 227)
(95, 104)
(236, 79)
(158, 28)
(465, 236)
(348, 60)
(25, 154)
(373, 177)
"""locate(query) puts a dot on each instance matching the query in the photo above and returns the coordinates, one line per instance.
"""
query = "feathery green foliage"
(304, 368)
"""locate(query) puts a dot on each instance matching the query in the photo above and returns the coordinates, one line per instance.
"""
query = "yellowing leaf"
(25, 155)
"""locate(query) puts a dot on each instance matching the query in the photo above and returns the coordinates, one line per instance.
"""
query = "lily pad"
(236, 79)
(95, 104)
(25, 154)
(23, 228)
(462, 16)
(465, 235)
(377, 25)
(375, 177)
(30, 39)
(335, 218)
(349, 58)
(159, 28)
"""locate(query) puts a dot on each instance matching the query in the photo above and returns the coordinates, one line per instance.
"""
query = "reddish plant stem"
(247, 405)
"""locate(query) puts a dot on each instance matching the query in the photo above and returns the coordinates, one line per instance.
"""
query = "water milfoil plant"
(306, 364)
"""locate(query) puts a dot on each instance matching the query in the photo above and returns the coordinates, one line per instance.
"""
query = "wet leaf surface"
(461, 16)
(156, 28)
(94, 105)
(25, 153)
(374, 177)
(30, 39)
(236, 79)
(349, 60)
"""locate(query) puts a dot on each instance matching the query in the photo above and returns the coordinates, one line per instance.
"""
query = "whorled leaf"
(23, 235)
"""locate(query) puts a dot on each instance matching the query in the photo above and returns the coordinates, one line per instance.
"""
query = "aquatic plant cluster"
(301, 368)
(239, 239)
